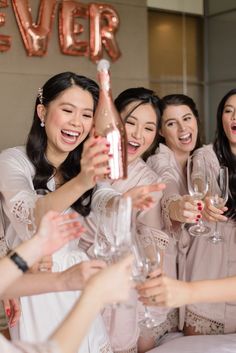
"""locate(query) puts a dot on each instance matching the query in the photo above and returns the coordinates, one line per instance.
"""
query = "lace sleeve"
(102, 195)
(160, 238)
(49, 347)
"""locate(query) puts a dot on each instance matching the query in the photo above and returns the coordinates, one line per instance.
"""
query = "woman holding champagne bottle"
(60, 157)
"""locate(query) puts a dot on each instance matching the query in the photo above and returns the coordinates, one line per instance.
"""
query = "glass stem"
(216, 233)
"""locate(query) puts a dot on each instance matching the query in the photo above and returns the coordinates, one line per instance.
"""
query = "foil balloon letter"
(35, 35)
(104, 22)
(69, 30)
(5, 41)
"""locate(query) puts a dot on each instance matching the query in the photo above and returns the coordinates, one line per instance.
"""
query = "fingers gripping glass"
(197, 181)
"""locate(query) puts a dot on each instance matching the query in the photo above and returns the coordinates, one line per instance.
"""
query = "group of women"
(64, 159)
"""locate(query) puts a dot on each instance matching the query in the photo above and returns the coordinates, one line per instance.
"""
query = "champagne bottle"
(109, 124)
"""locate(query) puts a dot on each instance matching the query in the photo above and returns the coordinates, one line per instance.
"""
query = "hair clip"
(40, 95)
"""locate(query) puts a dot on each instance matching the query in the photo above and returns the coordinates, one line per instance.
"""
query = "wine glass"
(197, 181)
(218, 198)
(147, 259)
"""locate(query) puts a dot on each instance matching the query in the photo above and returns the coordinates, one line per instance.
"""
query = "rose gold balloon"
(104, 22)
(69, 30)
(35, 36)
(5, 41)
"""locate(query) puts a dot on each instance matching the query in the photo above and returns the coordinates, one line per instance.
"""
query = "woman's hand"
(55, 230)
(141, 197)
(211, 213)
(185, 209)
(13, 310)
(77, 276)
(164, 291)
(112, 284)
(94, 161)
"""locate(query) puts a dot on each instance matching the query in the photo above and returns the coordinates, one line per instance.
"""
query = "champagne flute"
(197, 181)
(147, 259)
(218, 198)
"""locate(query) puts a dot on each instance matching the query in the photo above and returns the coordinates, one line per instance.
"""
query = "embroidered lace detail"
(165, 213)
(22, 206)
(148, 235)
(103, 200)
(169, 325)
(130, 350)
(203, 325)
(106, 348)
(3, 246)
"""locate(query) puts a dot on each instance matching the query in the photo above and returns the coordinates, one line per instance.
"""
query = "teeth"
(184, 137)
(134, 144)
(71, 133)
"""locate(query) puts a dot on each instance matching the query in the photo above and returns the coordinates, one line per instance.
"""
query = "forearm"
(33, 284)
(60, 199)
(77, 323)
(30, 251)
(213, 291)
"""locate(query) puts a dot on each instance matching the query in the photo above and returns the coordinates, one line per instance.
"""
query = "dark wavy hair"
(225, 155)
(37, 139)
(141, 96)
(178, 99)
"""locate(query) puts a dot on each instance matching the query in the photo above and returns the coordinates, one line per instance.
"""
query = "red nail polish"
(198, 216)
(8, 312)
(199, 208)
(199, 204)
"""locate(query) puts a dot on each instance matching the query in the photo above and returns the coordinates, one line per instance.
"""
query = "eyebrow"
(228, 105)
(184, 116)
(72, 105)
(147, 122)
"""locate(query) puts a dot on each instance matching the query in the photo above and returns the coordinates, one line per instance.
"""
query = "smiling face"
(229, 121)
(68, 120)
(141, 127)
(179, 128)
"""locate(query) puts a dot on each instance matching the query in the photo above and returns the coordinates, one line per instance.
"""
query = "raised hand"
(141, 197)
(94, 161)
(113, 283)
(55, 230)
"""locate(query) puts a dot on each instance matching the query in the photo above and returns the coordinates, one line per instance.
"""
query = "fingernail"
(199, 208)
(197, 219)
(199, 216)
(108, 144)
(8, 312)
(199, 204)
(110, 154)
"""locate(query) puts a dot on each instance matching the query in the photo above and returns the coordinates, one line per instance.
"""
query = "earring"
(42, 123)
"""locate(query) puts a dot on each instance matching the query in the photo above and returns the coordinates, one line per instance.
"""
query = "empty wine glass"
(218, 198)
(197, 181)
(147, 259)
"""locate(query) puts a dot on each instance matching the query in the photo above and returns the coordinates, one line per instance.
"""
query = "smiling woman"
(61, 158)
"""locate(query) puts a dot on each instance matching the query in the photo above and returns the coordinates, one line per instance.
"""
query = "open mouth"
(186, 138)
(70, 136)
(233, 128)
(133, 146)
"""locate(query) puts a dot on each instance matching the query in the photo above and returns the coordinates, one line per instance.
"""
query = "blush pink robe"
(122, 323)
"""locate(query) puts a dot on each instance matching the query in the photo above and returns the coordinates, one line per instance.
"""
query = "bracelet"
(19, 261)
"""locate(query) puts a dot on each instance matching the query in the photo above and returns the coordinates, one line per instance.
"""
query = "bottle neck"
(104, 80)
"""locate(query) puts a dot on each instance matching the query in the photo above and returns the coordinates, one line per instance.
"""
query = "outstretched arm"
(173, 293)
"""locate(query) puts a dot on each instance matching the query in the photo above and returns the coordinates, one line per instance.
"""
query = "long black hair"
(141, 96)
(37, 139)
(225, 155)
(178, 99)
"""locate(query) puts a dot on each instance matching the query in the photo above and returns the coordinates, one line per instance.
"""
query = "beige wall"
(20, 75)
